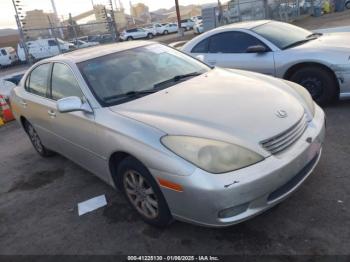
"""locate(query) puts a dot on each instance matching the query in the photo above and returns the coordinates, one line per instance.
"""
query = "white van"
(8, 56)
(44, 48)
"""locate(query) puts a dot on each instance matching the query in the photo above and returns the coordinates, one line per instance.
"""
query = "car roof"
(245, 25)
(81, 55)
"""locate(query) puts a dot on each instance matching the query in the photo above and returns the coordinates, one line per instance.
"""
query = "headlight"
(211, 155)
(305, 95)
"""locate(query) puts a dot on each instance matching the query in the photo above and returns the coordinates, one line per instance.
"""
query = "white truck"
(44, 48)
(8, 56)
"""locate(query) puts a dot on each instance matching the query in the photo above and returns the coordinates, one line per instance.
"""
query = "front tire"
(166, 32)
(36, 141)
(143, 192)
(129, 38)
(150, 36)
(319, 82)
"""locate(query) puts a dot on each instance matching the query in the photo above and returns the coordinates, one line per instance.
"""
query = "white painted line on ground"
(91, 204)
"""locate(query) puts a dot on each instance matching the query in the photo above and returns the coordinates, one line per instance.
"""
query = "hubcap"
(35, 139)
(140, 194)
(313, 85)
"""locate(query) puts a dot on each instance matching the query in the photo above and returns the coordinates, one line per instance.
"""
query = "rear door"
(229, 50)
(36, 104)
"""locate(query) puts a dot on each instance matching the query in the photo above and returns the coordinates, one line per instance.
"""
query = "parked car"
(44, 48)
(90, 38)
(82, 44)
(319, 62)
(187, 24)
(197, 18)
(182, 140)
(8, 56)
(106, 38)
(151, 29)
(198, 27)
(136, 33)
(170, 28)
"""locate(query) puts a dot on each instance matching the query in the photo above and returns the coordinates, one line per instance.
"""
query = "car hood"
(332, 41)
(228, 105)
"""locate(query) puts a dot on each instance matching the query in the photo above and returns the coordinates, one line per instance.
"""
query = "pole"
(180, 29)
(21, 35)
(54, 34)
(114, 25)
(56, 14)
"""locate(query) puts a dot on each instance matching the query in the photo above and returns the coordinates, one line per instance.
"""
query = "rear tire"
(36, 142)
(143, 193)
(166, 32)
(319, 82)
(150, 36)
(129, 38)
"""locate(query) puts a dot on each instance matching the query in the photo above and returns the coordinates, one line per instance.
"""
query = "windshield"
(282, 35)
(116, 78)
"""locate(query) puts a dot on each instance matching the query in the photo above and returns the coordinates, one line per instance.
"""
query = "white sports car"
(319, 62)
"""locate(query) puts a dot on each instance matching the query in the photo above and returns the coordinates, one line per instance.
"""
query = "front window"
(63, 83)
(127, 75)
(283, 35)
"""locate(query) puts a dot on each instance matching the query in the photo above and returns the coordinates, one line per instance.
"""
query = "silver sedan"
(182, 140)
(319, 62)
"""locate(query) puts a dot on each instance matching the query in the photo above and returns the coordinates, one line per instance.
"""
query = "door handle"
(24, 104)
(51, 113)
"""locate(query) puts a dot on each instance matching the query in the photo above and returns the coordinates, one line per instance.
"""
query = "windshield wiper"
(132, 94)
(300, 42)
(176, 79)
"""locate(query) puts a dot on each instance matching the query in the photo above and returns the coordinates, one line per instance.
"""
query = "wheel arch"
(288, 74)
(23, 122)
(114, 162)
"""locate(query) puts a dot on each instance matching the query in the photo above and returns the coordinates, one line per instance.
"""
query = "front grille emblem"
(281, 113)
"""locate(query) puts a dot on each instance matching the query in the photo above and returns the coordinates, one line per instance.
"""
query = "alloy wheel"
(140, 194)
(313, 85)
(34, 138)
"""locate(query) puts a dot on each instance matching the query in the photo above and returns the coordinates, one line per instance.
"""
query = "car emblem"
(281, 113)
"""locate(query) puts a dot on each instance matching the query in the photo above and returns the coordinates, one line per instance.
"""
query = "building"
(141, 12)
(36, 23)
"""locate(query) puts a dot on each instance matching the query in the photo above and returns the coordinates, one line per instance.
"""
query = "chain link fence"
(245, 10)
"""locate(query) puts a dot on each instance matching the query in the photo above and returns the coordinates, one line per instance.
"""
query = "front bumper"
(252, 190)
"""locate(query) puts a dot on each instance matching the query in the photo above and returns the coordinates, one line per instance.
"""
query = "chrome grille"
(284, 140)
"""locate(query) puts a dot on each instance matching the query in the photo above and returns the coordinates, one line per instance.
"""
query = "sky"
(64, 7)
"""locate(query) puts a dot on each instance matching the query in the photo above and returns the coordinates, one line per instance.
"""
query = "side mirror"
(256, 49)
(72, 104)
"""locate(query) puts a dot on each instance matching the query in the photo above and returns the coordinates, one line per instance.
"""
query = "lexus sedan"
(181, 140)
(319, 62)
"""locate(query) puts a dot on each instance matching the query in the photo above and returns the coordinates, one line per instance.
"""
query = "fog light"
(233, 211)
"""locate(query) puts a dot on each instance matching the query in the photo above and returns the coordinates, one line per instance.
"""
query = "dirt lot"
(38, 209)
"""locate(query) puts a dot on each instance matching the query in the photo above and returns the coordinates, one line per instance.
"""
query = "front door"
(76, 131)
(229, 50)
